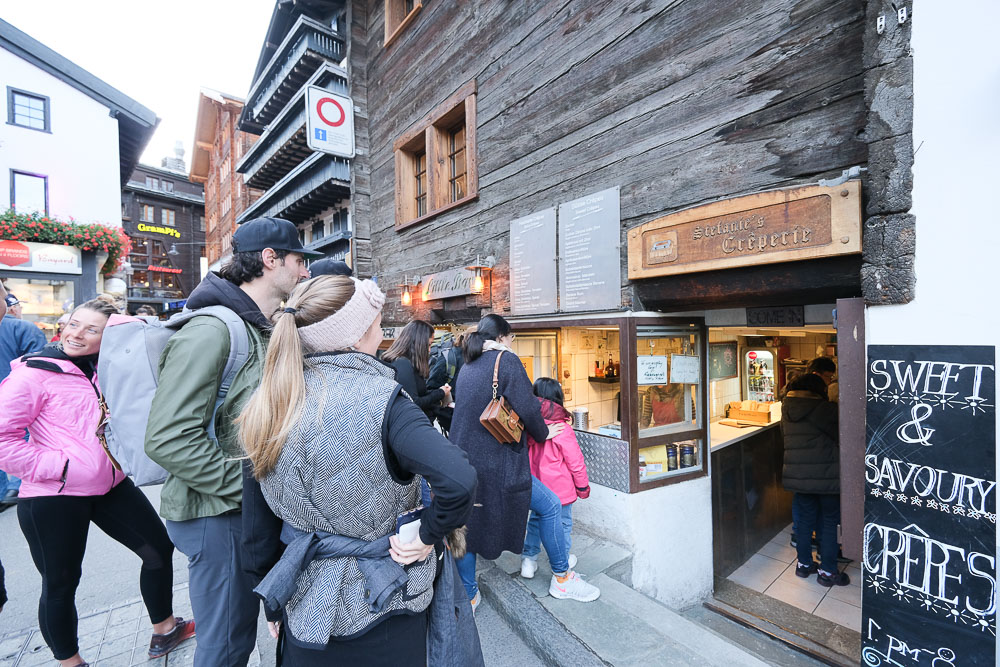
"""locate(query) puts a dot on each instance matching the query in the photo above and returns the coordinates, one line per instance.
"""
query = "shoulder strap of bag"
(239, 351)
(496, 375)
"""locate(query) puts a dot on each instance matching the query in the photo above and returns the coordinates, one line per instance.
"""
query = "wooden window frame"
(395, 19)
(168, 213)
(432, 134)
(142, 213)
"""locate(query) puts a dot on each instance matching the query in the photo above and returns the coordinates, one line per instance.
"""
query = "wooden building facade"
(218, 146)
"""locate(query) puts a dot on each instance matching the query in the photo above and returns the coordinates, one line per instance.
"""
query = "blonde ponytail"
(276, 406)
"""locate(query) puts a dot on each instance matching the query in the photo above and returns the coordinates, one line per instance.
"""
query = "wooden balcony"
(318, 182)
(307, 46)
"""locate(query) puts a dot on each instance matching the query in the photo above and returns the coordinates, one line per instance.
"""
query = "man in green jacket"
(201, 499)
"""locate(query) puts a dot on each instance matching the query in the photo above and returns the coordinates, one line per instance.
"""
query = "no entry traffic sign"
(330, 122)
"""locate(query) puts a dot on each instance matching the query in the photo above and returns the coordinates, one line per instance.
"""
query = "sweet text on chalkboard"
(930, 589)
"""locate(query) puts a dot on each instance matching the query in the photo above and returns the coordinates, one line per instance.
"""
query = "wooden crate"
(751, 415)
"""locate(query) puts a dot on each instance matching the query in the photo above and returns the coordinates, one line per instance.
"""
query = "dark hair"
(145, 310)
(491, 327)
(808, 382)
(246, 266)
(549, 388)
(412, 344)
(821, 365)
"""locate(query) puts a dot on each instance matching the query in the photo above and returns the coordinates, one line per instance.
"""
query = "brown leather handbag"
(498, 418)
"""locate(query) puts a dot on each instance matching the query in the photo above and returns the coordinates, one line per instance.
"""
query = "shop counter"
(749, 504)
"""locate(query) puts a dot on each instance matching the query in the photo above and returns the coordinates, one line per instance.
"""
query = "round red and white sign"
(319, 111)
(752, 355)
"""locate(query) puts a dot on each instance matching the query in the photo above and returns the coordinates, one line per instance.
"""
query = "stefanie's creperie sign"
(777, 226)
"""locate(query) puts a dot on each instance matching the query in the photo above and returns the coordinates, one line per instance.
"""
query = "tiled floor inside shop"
(771, 571)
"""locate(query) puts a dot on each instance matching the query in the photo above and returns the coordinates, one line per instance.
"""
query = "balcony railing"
(307, 46)
(283, 146)
(153, 293)
(319, 182)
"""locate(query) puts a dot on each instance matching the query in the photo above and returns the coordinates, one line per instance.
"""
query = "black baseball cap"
(275, 233)
(329, 267)
(12, 301)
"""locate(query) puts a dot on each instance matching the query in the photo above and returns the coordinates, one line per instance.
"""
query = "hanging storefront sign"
(930, 588)
(329, 122)
(39, 257)
(444, 284)
(164, 269)
(777, 226)
(589, 252)
(156, 229)
(532, 263)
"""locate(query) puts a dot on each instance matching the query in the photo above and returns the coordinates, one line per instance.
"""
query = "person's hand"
(447, 394)
(404, 554)
(274, 627)
(555, 429)
(584, 492)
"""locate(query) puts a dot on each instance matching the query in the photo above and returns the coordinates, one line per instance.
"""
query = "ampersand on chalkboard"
(920, 435)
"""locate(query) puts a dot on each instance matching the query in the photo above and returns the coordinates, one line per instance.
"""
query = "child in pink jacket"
(558, 463)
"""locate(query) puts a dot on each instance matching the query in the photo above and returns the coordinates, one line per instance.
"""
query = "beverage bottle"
(610, 368)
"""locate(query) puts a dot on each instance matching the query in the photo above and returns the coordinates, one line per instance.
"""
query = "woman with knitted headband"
(338, 452)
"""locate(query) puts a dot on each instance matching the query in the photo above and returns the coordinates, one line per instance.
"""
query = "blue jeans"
(826, 508)
(533, 540)
(546, 505)
(8, 483)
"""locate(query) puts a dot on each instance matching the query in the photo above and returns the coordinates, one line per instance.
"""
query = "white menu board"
(589, 253)
(651, 369)
(532, 263)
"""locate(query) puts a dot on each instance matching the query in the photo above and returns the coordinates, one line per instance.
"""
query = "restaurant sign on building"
(39, 257)
(777, 226)
(444, 284)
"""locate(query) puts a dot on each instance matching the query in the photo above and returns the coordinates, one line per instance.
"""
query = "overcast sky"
(158, 53)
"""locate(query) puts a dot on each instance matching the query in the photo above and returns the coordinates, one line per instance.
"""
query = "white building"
(68, 144)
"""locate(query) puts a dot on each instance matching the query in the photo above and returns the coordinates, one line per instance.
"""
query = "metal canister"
(581, 418)
(671, 457)
(687, 456)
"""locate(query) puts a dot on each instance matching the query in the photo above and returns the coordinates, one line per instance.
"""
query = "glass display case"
(636, 389)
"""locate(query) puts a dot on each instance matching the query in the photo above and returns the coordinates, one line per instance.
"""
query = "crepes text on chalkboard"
(929, 590)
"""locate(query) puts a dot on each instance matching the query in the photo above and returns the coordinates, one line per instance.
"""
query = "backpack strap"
(239, 350)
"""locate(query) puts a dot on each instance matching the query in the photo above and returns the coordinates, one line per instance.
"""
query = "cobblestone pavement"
(115, 637)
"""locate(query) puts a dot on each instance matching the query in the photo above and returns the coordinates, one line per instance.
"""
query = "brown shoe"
(160, 645)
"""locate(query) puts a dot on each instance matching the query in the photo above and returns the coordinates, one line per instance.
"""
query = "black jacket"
(414, 385)
(215, 290)
(812, 450)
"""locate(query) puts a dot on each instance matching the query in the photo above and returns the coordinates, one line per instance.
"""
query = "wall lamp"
(478, 268)
(406, 299)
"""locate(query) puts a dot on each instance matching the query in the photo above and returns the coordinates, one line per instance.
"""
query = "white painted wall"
(668, 530)
(80, 156)
(956, 95)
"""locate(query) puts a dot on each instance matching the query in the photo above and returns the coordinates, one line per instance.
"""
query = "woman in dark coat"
(409, 355)
(812, 472)
(507, 489)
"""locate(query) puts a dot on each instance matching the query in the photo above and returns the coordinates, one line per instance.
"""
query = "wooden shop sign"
(764, 228)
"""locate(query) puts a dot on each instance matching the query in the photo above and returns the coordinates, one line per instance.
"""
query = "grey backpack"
(128, 371)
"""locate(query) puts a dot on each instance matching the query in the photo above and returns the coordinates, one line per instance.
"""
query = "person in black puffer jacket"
(812, 471)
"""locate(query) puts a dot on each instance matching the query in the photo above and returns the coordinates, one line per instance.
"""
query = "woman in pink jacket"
(69, 481)
(558, 464)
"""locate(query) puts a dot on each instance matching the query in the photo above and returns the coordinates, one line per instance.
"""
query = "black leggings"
(56, 530)
(400, 641)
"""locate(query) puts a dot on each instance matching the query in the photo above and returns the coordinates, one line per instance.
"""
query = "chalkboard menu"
(532, 263)
(590, 259)
(930, 591)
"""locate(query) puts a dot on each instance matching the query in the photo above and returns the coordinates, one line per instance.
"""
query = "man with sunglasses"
(202, 499)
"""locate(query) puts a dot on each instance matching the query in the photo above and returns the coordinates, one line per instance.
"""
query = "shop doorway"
(755, 556)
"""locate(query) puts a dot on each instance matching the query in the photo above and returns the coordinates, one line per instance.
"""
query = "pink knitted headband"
(344, 328)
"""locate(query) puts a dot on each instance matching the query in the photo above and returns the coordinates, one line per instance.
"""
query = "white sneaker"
(528, 568)
(574, 588)
(572, 561)
(475, 602)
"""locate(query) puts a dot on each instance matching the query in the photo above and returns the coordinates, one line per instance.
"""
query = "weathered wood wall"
(357, 59)
(678, 103)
